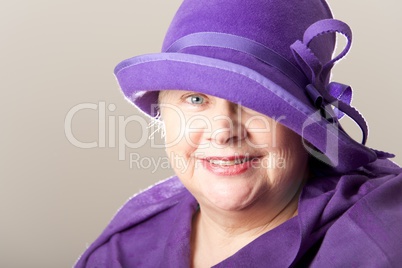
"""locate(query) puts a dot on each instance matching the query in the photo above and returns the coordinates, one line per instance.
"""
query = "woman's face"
(228, 156)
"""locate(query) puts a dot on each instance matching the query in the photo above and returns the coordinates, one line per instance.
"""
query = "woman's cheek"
(260, 133)
(196, 133)
(178, 149)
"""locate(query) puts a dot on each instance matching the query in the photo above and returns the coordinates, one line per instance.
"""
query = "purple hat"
(274, 57)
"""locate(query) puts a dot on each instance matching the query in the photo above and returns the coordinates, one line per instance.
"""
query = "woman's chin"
(229, 195)
(228, 205)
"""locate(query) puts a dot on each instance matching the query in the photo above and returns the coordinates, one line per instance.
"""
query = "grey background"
(56, 198)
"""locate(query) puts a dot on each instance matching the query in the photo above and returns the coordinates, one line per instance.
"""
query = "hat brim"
(142, 77)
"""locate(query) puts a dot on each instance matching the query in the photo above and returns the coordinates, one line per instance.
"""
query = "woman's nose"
(227, 126)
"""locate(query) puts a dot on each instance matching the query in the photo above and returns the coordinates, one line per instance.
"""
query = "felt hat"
(274, 57)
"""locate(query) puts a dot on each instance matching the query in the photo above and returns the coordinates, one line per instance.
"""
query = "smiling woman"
(228, 173)
(265, 174)
(227, 161)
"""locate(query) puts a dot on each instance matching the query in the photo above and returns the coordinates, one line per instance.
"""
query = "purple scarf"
(350, 220)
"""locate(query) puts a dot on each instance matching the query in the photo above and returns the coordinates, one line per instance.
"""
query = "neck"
(219, 234)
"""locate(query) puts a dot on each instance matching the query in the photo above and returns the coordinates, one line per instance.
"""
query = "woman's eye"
(195, 99)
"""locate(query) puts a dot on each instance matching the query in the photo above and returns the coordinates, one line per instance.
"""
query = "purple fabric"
(248, 46)
(350, 220)
(238, 75)
(221, 79)
(341, 92)
(276, 24)
(319, 72)
(324, 27)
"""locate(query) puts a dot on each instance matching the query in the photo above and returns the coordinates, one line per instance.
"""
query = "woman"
(266, 176)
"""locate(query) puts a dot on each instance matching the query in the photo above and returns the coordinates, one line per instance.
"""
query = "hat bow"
(322, 93)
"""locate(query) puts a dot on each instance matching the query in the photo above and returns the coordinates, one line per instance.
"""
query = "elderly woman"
(270, 178)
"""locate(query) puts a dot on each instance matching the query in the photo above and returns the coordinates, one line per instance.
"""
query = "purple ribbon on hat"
(336, 94)
(310, 74)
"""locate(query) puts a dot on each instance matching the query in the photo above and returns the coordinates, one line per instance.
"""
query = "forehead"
(165, 93)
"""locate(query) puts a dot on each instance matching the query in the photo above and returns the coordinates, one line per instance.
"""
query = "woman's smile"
(229, 165)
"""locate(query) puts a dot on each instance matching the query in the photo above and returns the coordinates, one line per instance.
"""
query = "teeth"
(228, 163)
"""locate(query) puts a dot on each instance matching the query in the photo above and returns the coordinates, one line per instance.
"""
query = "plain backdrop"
(56, 198)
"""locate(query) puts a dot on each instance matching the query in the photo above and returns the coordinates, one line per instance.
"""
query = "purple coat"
(350, 220)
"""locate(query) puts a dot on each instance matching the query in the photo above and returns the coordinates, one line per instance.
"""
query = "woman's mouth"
(228, 162)
(229, 166)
